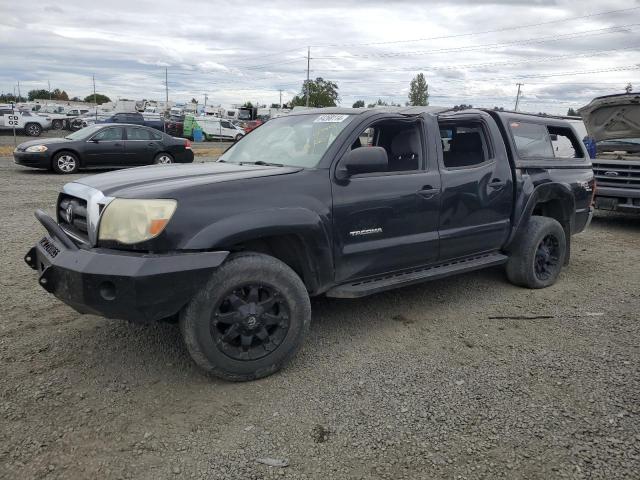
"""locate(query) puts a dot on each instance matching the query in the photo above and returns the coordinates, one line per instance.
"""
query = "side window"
(119, 117)
(464, 145)
(226, 124)
(531, 139)
(134, 133)
(564, 142)
(108, 134)
(401, 140)
(156, 135)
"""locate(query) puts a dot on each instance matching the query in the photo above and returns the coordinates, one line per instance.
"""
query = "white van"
(219, 128)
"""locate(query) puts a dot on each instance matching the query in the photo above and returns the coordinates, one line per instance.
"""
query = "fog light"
(108, 290)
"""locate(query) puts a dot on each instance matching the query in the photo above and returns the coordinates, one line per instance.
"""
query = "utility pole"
(280, 98)
(95, 100)
(205, 103)
(308, 64)
(19, 94)
(518, 96)
(49, 85)
(166, 98)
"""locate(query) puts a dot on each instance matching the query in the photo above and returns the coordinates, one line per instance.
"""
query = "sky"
(472, 52)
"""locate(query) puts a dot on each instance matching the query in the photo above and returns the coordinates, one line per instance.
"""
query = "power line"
(497, 30)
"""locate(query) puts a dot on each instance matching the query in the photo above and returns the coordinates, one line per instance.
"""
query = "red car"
(252, 125)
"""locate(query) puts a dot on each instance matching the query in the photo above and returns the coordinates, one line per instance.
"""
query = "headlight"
(133, 221)
(36, 149)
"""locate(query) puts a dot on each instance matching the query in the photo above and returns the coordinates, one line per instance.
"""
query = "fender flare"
(544, 193)
(302, 222)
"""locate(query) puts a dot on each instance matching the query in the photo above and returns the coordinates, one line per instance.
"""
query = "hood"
(158, 180)
(42, 141)
(613, 116)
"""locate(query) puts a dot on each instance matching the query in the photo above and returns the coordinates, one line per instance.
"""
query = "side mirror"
(362, 160)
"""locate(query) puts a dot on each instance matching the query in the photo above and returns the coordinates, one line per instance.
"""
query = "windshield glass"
(84, 132)
(297, 140)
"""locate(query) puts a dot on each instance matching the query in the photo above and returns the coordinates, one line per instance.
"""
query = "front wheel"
(33, 129)
(238, 137)
(57, 125)
(163, 159)
(65, 163)
(538, 254)
(249, 319)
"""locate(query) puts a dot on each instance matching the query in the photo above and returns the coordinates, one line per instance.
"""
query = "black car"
(101, 146)
(340, 202)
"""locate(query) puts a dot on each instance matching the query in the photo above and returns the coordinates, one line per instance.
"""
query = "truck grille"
(617, 173)
(72, 215)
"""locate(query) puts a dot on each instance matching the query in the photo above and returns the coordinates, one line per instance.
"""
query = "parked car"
(30, 123)
(134, 118)
(614, 122)
(252, 125)
(102, 146)
(174, 125)
(340, 202)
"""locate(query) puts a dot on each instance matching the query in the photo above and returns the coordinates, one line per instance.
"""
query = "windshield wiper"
(262, 162)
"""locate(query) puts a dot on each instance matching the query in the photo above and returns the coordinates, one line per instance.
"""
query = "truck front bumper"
(139, 287)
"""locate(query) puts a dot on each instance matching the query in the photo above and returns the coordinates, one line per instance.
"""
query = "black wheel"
(57, 124)
(33, 129)
(163, 159)
(238, 137)
(249, 320)
(65, 163)
(538, 254)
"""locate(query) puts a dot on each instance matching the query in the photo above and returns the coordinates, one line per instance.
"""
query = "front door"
(388, 221)
(477, 187)
(105, 148)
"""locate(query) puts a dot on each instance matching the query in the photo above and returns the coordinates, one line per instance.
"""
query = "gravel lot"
(466, 378)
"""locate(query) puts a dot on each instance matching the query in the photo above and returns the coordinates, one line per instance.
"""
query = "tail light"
(187, 144)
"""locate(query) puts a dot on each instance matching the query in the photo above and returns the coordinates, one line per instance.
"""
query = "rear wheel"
(33, 129)
(163, 159)
(57, 124)
(65, 163)
(539, 253)
(249, 320)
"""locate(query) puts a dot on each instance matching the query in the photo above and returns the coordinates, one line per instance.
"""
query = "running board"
(373, 285)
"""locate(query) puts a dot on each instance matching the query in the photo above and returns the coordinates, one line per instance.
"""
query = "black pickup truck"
(340, 202)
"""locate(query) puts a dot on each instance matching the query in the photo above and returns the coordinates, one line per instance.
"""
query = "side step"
(369, 286)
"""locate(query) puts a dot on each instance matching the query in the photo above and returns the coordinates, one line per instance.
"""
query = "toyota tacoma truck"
(337, 202)
(614, 122)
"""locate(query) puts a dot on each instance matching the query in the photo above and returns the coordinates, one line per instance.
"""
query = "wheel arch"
(553, 200)
(295, 236)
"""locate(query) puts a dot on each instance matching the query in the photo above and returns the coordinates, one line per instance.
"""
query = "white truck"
(23, 120)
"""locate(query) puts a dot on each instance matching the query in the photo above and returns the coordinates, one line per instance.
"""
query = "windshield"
(84, 132)
(297, 140)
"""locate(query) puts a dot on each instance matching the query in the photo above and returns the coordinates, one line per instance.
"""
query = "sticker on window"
(330, 118)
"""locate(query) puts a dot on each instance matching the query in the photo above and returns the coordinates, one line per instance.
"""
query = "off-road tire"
(238, 271)
(163, 158)
(32, 129)
(521, 267)
(65, 166)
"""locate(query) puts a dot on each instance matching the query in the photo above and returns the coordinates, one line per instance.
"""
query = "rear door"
(477, 186)
(141, 146)
(105, 148)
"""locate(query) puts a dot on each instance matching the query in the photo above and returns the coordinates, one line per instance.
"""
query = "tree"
(100, 98)
(358, 104)
(628, 88)
(322, 93)
(418, 91)
(378, 103)
(462, 106)
(76, 99)
(499, 109)
(38, 94)
(572, 113)
(248, 105)
(193, 100)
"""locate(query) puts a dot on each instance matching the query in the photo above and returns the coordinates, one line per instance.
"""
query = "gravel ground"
(465, 378)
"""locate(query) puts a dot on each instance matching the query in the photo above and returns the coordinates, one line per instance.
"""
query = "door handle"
(428, 191)
(150, 144)
(496, 184)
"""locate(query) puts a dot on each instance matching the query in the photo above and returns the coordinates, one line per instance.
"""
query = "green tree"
(100, 98)
(358, 104)
(378, 103)
(572, 113)
(248, 105)
(38, 94)
(322, 93)
(418, 91)
(628, 88)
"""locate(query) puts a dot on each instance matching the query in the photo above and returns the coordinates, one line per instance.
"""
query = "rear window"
(531, 139)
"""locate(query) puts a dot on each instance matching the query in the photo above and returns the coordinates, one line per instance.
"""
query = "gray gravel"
(423, 382)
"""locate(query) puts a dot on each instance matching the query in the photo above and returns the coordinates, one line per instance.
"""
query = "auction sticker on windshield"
(331, 118)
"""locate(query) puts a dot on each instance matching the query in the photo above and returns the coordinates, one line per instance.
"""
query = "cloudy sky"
(473, 52)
